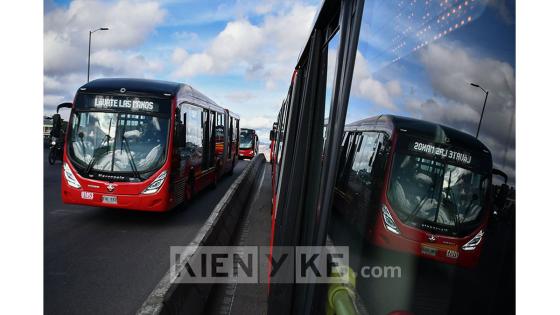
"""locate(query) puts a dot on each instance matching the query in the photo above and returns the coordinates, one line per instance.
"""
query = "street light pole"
(89, 47)
(483, 107)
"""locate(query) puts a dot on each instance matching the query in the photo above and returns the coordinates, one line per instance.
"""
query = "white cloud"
(235, 44)
(366, 87)
(257, 122)
(240, 96)
(451, 68)
(65, 43)
(266, 51)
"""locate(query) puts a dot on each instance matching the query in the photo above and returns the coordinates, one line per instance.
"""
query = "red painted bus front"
(116, 195)
(246, 153)
(152, 194)
(248, 144)
(389, 231)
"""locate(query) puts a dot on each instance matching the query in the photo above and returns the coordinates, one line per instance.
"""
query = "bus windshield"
(246, 140)
(118, 142)
(426, 190)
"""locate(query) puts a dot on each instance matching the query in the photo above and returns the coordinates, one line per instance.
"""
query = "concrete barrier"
(181, 298)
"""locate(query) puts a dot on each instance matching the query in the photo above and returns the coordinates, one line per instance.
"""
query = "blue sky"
(419, 59)
(242, 53)
(239, 53)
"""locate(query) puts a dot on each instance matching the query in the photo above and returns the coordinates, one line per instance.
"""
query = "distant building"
(47, 127)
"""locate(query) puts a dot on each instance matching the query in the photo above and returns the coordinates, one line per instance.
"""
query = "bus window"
(331, 50)
(361, 167)
(230, 137)
(195, 133)
(219, 134)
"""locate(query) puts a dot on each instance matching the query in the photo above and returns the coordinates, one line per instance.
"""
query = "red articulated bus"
(145, 144)
(414, 186)
(248, 144)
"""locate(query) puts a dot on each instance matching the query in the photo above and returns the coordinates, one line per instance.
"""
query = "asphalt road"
(107, 261)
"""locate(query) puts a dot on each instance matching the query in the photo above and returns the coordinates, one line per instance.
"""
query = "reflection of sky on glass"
(417, 59)
(394, 29)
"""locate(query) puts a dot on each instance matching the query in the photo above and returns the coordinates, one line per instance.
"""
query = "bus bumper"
(246, 154)
(158, 202)
(448, 254)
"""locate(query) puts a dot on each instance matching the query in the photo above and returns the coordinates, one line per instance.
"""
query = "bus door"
(179, 167)
(193, 117)
(220, 138)
(344, 197)
(212, 139)
(230, 139)
(360, 186)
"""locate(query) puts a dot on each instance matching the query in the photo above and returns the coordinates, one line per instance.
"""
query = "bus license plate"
(110, 199)
(427, 250)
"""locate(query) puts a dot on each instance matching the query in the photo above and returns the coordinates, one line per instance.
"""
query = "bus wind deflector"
(500, 196)
(63, 105)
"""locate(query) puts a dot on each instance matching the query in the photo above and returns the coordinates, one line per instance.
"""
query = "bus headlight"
(471, 245)
(388, 220)
(156, 184)
(53, 143)
(70, 178)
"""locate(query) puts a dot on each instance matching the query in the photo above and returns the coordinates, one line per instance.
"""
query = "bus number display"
(444, 153)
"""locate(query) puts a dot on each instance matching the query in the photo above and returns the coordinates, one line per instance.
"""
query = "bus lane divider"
(169, 297)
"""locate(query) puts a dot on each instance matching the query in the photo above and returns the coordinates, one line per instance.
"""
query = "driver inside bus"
(88, 138)
(92, 131)
(413, 190)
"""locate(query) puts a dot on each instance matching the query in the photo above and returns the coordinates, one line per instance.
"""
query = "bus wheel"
(52, 157)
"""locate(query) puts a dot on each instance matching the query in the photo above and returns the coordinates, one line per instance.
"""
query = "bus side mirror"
(180, 139)
(57, 126)
(501, 193)
(272, 135)
(501, 196)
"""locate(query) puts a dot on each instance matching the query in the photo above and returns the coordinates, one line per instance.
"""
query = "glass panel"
(332, 51)
(246, 139)
(118, 142)
(417, 59)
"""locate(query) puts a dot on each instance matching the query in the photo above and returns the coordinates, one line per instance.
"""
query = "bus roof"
(442, 133)
(136, 85)
(232, 114)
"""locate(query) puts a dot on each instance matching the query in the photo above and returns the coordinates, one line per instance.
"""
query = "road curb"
(175, 298)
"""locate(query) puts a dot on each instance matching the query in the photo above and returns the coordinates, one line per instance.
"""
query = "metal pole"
(481, 114)
(88, 56)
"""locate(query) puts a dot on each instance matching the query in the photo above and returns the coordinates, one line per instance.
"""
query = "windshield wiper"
(418, 206)
(130, 158)
(94, 157)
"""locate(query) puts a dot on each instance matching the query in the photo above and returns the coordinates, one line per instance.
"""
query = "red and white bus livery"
(248, 144)
(415, 186)
(145, 144)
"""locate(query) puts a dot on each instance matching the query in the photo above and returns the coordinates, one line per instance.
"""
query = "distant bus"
(248, 144)
(145, 144)
(415, 186)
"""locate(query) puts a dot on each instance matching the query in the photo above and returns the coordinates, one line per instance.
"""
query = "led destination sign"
(448, 154)
(123, 103)
(133, 104)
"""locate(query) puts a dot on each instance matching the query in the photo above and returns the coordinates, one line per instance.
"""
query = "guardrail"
(175, 298)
